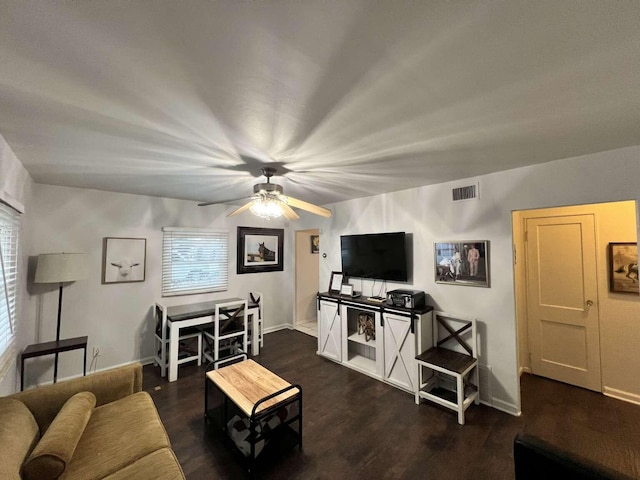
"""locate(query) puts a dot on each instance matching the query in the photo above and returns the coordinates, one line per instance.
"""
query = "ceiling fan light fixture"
(268, 201)
(266, 208)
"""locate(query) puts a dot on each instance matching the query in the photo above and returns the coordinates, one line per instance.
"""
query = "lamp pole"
(55, 365)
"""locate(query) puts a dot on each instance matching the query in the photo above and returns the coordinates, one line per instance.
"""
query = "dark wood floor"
(356, 427)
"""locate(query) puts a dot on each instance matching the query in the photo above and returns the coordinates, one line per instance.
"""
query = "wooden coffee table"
(258, 397)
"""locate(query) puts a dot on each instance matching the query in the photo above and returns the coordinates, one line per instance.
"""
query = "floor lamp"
(60, 268)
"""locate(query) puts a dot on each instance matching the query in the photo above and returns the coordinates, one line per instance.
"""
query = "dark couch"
(536, 459)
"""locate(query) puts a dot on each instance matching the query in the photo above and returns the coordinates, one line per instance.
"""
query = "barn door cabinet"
(388, 356)
(329, 329)
(403, 339)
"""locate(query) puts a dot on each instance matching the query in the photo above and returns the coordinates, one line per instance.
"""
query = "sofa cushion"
(18, 434)
(46, 401)
(55, 449)
(118, 434)
(161, 465)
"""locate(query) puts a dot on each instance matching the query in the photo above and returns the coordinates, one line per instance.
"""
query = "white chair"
(228, 331)
(450, 368)
(255, 302)
(161, 342)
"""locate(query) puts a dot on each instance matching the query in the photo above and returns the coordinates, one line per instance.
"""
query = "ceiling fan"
(269, 201)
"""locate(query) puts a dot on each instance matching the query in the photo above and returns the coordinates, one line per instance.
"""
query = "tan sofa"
(102, 426)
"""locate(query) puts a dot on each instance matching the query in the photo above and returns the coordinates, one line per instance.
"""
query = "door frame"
(297, 273)
(519, 219)
(608, 229)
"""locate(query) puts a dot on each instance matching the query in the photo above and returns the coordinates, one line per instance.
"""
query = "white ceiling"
(189, 99)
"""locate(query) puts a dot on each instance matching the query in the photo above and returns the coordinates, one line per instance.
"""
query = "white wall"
(14, 178)
(118, 317)
(428, 214)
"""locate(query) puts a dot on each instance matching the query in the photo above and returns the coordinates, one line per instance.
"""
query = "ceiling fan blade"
(288, 212)
(309, 207)
(246, 206)
(205, 204)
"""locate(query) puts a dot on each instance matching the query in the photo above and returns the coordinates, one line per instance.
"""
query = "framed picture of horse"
(260, 250)
(623, 268)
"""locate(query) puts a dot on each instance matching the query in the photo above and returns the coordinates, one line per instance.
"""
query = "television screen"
(380, 256)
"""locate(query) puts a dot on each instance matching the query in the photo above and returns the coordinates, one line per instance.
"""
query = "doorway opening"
(307, 280)
(571, 326)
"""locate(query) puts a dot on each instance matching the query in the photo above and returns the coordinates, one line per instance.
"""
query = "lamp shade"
(61, 267)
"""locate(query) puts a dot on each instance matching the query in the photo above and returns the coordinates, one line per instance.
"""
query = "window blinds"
(9, 232)
(194, 260)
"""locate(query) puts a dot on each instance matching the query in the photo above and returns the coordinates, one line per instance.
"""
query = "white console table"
(400, 334)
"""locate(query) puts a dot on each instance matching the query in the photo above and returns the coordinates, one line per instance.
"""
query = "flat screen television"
(381, 256)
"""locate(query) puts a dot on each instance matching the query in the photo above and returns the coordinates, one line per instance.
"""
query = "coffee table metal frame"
(257, 415)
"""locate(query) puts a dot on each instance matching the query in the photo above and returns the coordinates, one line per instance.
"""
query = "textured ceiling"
(351, 98)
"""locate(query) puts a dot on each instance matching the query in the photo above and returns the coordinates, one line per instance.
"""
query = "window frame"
(170, 237)
(11, 222)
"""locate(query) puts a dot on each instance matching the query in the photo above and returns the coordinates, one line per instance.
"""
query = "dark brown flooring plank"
(357, 427)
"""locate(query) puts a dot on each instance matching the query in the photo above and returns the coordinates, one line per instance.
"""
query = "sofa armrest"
(536, 459)
(46, 401)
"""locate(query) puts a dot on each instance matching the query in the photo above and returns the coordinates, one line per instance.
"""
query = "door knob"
(589, 304)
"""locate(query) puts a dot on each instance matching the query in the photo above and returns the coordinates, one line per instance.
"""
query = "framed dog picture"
(623, 268)
(462, 263)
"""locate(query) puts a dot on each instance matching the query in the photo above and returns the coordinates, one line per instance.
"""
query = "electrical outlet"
(97, 351)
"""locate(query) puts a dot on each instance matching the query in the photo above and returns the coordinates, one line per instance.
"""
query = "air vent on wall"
(468, 192)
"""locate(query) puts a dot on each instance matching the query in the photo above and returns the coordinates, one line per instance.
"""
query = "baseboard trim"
(621, 395)
(523, 370)
(277, 328)
(503, 406)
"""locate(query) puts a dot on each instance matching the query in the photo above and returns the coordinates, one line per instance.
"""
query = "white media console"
(400, 334)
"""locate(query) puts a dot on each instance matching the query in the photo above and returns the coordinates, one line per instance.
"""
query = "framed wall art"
(623, 268)
(123, 260)
(260, 250)
(462, 263)
(315, 243)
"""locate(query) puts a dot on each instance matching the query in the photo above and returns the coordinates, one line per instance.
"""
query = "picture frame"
(335, 284)
(457, 264)
(315, 243)
(260, 250)
(623, 267)
(123, 260)
(346, 289)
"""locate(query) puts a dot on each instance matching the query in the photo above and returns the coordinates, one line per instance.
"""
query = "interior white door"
(563, 324)
(399, 351)
(329, 331)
